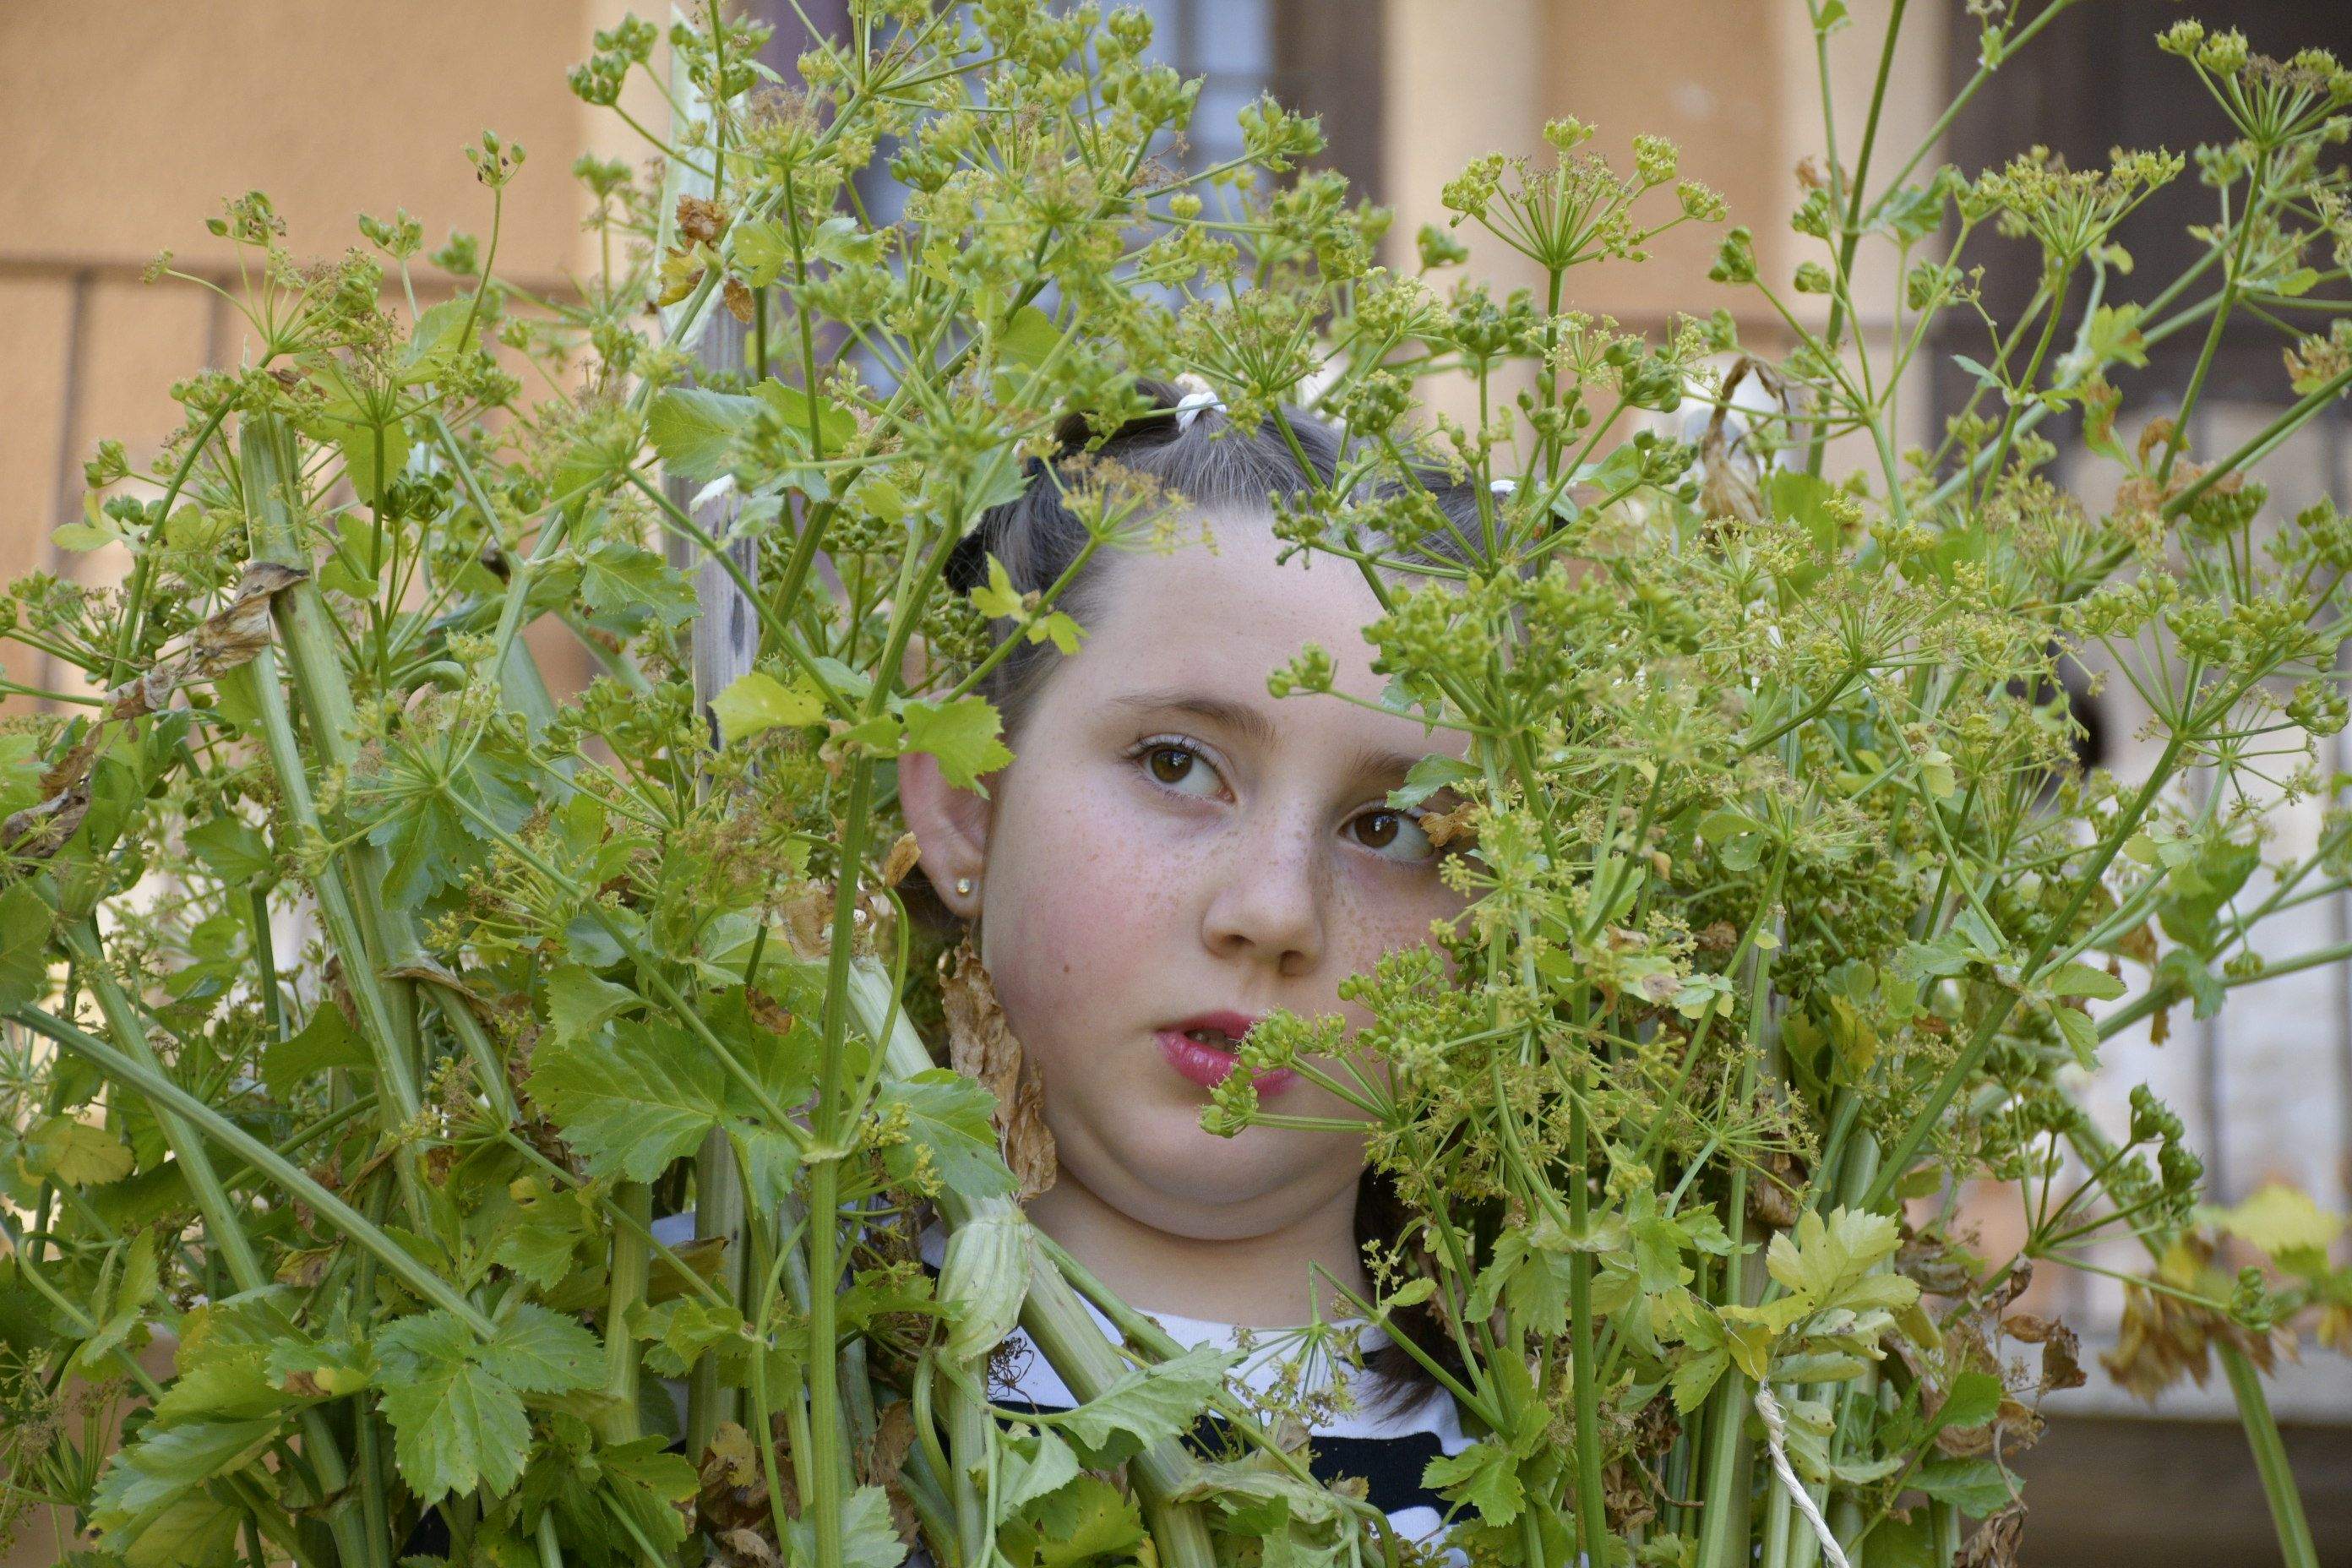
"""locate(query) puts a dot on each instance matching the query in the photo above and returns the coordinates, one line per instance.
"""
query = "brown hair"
(1209, 463)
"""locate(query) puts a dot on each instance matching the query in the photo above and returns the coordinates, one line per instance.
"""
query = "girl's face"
(1170, 841)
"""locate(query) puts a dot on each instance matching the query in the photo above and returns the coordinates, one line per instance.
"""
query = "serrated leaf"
(868, 1538)
(691, 429)
(2278, 1218)
(1034, 1468)
(25, 922)
(948, 1115)
(164, 1462)
(962, 735)
(1975, 1487)
(328, 1040)
(839, 240)
(228, 1383)
(996, 598)
(1484, 1475)
(2079, 979)
(763, 249)
(1145, 1406)
(75, 1152)
(2080, 1035)
(456, 1424)
(1825, 1264)
(540, 1352)
(631, 1099)
(195, 1532)
(234, 851)
(1974, 1399)
(579, 1001)
(755, 702)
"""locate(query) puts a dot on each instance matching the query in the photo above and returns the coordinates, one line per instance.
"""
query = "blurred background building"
(131, 120)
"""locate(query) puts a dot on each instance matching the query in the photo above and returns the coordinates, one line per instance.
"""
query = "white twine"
(1200, 395)
(1775, 1437)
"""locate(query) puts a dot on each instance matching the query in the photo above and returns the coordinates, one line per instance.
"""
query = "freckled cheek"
(1094, 908)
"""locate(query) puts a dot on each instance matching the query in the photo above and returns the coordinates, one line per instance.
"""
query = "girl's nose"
(1268, 901)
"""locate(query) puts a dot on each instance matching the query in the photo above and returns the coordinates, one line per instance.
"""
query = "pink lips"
(1209, 1065)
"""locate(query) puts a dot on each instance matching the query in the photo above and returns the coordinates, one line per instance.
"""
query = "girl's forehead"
(1232, 584)
(1192, 635)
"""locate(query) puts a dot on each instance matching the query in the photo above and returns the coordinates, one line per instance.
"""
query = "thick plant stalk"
(2297, 1549)
(222, 1228)
(167, 1095)
(1051, 1310)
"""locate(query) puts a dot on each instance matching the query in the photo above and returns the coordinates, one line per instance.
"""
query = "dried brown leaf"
(900, 860)
(980, 1045)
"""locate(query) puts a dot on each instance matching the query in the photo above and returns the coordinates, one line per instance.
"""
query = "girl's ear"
(950, 828)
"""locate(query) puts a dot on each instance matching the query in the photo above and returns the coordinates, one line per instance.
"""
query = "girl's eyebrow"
(1253, 725)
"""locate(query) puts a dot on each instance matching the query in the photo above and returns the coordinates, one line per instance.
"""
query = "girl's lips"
(1208, 1065)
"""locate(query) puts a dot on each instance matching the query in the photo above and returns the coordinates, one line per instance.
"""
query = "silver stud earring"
(963, 884)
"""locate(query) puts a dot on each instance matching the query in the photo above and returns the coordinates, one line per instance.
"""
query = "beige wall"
(129, 120)
(1732, 82)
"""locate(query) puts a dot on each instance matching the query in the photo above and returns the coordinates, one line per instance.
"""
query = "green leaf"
(692, 428)
(456, 1424)
(1974, 1399)
(195, 1532)
(227, 1384)
(869, 1539)
(1034, 1468)
(2082, 980)
(1028, 338)
(167, 1461)
(835, 426)
(2278, 1218)
(996, 598)
(762, 250)
(2080, 1035)
(839, 240)
(1145, 1406)
(76, 1151)
(755, 701)
(234, 851)
(1827, 1263)
(627, 588)
(1484, 1475)
(631, 1099)
(25, 922)
(328, 1040)
(962, 735)
(540, 1352)
(1086, 1523)
(122, 1302)
(579, 1002)
(947, 1116)
(371, 451)
(1694, 1379)
(1978, 1487)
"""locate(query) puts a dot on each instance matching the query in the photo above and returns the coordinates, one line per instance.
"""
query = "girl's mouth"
(1207, 1064)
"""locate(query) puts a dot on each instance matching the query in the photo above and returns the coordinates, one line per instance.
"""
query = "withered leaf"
(981, 1044)
(1996, 1542)
(900, 860)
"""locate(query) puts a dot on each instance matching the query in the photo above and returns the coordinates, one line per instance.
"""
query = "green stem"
(169, 1098)
(2295, 1546)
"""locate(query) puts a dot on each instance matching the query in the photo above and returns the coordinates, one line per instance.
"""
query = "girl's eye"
(1170, 763)
(1397, 827)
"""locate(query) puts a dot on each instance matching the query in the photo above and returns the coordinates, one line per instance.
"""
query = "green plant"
(1789, 899)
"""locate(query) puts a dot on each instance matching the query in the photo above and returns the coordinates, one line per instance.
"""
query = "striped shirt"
(1389, 1450)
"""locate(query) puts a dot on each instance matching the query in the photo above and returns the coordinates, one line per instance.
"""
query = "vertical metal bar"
(2339, 907)
(67, 492)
